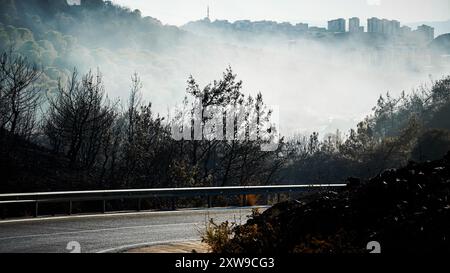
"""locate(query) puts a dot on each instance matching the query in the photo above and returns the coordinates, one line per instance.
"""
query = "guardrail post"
(104, 206)
(174, 203)
(209, 201)
(3, 212)
(70, 207)
(139, 204)
(36, 209)
(244, 200)
(278, 197)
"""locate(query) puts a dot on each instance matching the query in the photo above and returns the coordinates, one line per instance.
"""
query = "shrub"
(218, 236)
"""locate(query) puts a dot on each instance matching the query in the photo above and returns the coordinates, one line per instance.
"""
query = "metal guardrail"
(139, 194)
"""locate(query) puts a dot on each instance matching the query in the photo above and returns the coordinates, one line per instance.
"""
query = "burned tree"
(19, 95)
(224, 143)
(79, 118)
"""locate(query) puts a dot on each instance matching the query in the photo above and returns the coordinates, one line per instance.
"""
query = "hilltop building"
(384, 26)
(317, 29)
(337, 26)
(390, 27)
(405, 30)
(426, 32)
(354, 25)
(302, 27)
(374, 25)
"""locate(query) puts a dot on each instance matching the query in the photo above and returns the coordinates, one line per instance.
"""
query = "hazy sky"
(178, 12)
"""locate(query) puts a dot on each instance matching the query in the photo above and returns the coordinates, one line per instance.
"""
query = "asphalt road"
(110, 232)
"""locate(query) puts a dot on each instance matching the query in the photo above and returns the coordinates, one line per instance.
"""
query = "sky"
(179, 12)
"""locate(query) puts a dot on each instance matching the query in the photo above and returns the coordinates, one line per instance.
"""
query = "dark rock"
(406, 210)
(353, 182)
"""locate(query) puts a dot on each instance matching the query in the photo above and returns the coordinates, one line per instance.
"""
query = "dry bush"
(228, 236)
(218, 236)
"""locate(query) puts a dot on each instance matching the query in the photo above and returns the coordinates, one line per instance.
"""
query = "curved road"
(110, 232)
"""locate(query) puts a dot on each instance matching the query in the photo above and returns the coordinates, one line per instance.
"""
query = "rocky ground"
(406, 210)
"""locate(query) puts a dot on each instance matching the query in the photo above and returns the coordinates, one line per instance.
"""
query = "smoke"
(319, 85)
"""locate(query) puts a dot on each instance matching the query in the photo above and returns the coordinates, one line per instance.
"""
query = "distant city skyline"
(318, 12)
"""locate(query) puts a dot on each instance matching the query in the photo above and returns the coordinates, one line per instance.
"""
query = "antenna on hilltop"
(207, 12)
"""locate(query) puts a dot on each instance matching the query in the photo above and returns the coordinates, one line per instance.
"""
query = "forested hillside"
(413, 126)
(59, 36)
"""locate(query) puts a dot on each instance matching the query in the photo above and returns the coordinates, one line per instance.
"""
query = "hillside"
(405, 210)
(94, 35)
(442, 44)
(87, 22)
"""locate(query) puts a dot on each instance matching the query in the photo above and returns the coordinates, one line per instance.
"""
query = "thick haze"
(318, 85)
(179, 12)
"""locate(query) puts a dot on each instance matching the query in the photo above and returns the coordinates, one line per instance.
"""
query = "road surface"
(110, 232)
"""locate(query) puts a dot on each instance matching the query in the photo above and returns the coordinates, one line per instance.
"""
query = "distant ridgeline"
(85, 21)
(442, 43)
(57, 35)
